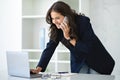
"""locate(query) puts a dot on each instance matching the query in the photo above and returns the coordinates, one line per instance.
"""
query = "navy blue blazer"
(88, 49)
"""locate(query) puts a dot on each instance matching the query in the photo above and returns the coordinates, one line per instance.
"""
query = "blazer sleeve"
(47, 54)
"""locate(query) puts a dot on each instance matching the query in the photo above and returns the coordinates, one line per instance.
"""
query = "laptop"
(18, 64)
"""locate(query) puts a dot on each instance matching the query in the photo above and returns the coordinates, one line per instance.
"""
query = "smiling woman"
(87, 53)
(57, 19)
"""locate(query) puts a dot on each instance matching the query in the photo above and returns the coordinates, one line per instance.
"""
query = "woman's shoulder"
(82, 22)
(81, 17)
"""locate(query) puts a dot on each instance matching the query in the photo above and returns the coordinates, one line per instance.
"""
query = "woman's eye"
(57, 18)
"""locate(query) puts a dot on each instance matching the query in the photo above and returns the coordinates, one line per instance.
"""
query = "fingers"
(64, 27)
(34, 71)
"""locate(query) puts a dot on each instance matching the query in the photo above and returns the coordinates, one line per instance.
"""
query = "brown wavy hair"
(65, 10)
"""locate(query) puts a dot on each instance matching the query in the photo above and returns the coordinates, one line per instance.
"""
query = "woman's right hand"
(35, 71)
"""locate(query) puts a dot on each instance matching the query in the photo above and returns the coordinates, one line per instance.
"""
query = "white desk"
(72, 77)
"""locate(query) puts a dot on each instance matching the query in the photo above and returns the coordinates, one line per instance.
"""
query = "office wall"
(84, 7)
(105, 18)
(10, 29)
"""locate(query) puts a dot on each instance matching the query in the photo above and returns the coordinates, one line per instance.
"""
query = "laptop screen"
(18, 63)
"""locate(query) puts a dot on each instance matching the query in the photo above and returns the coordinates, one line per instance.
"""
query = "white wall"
(10, 29)
(105, 18)
(84, 7)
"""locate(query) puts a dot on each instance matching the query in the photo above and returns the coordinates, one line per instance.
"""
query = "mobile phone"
(65, 20)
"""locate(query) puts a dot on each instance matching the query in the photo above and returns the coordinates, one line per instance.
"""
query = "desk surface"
(68, 77)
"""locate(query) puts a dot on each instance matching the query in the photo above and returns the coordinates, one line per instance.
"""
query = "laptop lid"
(18, 63)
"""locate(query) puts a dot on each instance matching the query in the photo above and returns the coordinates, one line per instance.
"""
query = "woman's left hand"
(65, 28)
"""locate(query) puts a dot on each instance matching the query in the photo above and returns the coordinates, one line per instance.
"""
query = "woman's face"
(57, 18)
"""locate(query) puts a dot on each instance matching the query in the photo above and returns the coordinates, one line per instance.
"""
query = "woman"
(86, 50)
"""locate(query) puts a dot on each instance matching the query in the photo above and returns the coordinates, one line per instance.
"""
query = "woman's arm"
(45, 57)
(47, 54)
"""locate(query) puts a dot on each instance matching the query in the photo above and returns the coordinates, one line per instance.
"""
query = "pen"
(62, 72)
